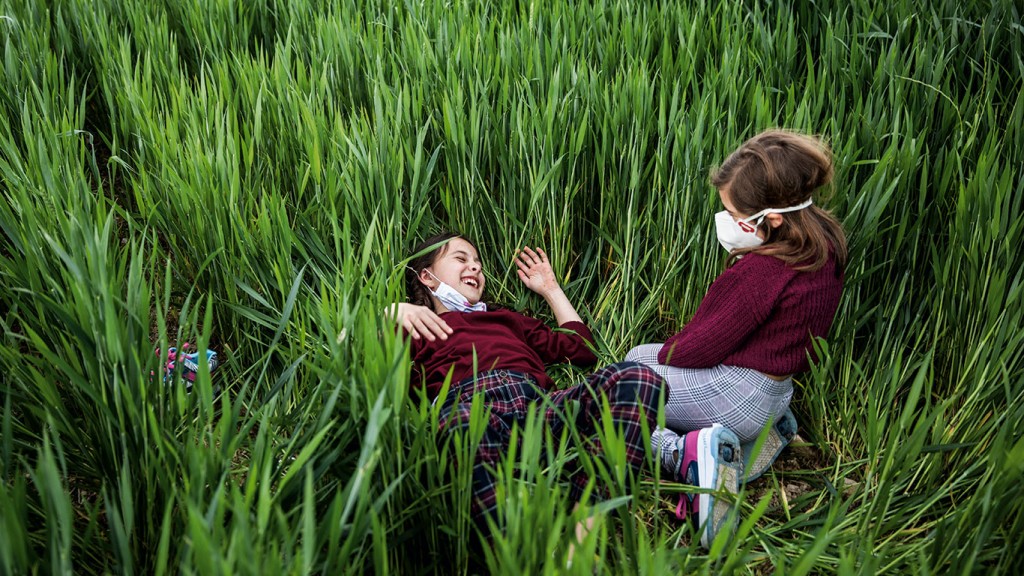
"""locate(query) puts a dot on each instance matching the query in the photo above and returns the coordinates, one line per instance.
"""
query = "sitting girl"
(729, 370)
(452, 331)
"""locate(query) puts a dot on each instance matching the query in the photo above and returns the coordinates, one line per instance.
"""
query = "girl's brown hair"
(777, 169)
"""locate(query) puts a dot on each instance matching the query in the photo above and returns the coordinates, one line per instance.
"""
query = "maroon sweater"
(758, 314)
(502, 339)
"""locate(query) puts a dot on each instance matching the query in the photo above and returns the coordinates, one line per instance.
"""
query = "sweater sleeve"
(571, 343)
(736, 304)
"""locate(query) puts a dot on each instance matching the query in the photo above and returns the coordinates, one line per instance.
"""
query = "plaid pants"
(633, 392)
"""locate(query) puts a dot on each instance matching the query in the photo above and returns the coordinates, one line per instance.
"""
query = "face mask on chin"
(452, 300)
(736, 235)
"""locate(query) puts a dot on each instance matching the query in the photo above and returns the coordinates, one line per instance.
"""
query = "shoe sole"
(779, 436)
(715, 475)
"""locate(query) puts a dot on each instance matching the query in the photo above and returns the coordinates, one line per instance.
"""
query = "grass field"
(248, 176)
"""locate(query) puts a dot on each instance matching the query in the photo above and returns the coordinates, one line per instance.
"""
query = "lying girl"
(452, 330)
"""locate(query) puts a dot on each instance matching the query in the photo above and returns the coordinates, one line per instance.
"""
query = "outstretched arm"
(419, 321)
(536, 273)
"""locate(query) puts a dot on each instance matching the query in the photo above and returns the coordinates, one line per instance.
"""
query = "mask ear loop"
(413, 270)
(764, 213)
(432, 275)
(747, 227)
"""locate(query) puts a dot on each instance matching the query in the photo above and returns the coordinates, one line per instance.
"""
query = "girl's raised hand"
(535, 271)
(420, 321)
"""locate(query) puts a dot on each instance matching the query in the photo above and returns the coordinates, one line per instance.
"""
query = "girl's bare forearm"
(563, 310)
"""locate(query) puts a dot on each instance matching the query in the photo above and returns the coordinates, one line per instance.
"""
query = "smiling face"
(458, 265)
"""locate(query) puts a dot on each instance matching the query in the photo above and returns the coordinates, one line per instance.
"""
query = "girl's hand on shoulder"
(535, 271)
(420, 321)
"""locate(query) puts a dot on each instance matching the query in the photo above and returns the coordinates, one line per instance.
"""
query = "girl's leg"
(740, 399)
(647, 354)
(633, 393)
(508, 396)
(663, 440)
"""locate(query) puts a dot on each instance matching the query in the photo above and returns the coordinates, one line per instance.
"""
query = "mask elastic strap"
(764, 213)
(413, 270)
(432, 274)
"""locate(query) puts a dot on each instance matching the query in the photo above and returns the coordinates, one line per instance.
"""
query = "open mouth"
(471, 282)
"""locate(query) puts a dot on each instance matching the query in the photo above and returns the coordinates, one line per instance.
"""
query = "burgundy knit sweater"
(502, 339)
(758, 314)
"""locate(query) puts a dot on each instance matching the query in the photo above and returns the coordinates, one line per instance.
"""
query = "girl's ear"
(774, 220)
(425, 278)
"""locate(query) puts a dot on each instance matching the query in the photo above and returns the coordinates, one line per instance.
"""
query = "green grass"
(248, 176)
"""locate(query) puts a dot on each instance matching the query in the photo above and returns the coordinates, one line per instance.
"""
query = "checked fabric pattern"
(741, 399)
(633, 392)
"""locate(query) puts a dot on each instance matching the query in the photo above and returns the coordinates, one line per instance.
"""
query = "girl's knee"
(636, 382)
(644, 354)
(626, 371)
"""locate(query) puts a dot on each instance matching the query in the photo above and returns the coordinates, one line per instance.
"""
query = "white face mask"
(734, 235)
(453, 300)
